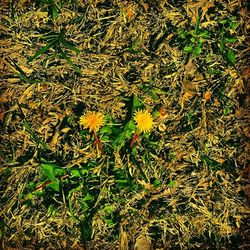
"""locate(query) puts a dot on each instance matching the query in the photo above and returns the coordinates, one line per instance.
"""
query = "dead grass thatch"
(187, 185)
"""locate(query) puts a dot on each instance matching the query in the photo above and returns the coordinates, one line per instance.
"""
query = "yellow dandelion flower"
(144, 120)
(92, 120)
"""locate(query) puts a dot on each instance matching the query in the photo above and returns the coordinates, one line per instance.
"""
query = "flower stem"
(135, 137)
(97, 141)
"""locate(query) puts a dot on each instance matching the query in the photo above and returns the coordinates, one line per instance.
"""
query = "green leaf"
(233, 25)
(86, 231)
(134, 150)
(157, 183)
(48, 170)
(156, 114)
(230, 40)
(231, 57)
(52, 170)
(70, 46)
(43, 160)
(106, 129)
(109, 222)
(197, 25)
(129, 128)
(132, 50)
(197, 51)
(153, 94)
(76, 20)
(51, 210)
(54, 8)
(70, 119)
(193, 40)
(211, 163)
(221, 45)
(31, 185)
(84, 206)
(64, 56)
(75, 173)
(109, 209)
(188, 49)
(59, 171)
(147, 160)
(136, 103)
(130, 125)
(224, 21)
(39, 141)
(205, 34)
(182, 33)
(119, 141)
(227, 110)
(88, 197)
(43, 50)
(21, 73)
(26, 126)
(128, 133)
(171, 183)
(123, 183)
(55, 185)
(116, 131)
(54, 11)
(51, 36)
(39, 193)
(105, 138)
(28, 196)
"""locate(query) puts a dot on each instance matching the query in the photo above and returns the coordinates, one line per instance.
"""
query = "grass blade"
(43, 50)
(64, 56)
(70, 46)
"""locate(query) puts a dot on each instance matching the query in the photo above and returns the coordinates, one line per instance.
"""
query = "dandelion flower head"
(92, 120)
(144, 120)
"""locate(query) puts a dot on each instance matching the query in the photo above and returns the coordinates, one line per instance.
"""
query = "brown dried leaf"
(13, 80)
(185, 97)
(130, 14)
(123, 241)
(2, 110)
(54, 140)
(89, 72)
(163, 112)
(142, 243)
(190, 87)
(162, 127)
(216, 102)
(26, 70)
(65, 130)
(26, 94)
(145, 6)
(206, 7)
(207, 95)
(146, 184)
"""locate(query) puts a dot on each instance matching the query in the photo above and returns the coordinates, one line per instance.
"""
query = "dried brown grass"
(203, 201)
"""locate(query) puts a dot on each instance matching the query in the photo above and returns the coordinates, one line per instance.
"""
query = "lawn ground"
(68, 182)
